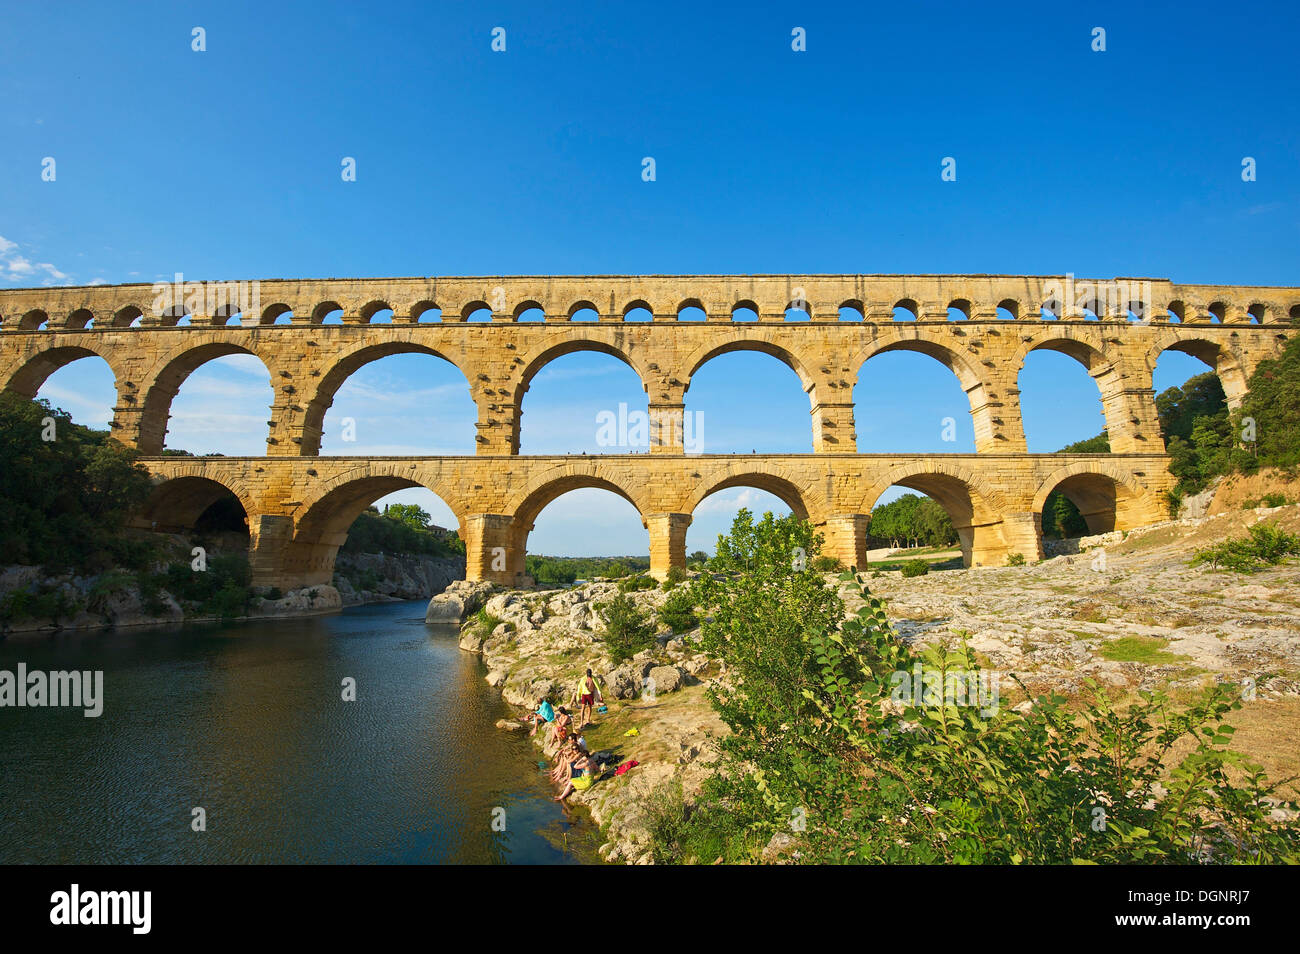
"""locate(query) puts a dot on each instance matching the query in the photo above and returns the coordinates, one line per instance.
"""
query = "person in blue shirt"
(544, 713)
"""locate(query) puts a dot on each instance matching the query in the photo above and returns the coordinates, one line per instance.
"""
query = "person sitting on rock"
(544, 713)
(559, 731)
(579, 775)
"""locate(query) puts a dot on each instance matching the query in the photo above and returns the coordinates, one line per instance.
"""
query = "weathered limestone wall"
(300, 505)
(300, 508)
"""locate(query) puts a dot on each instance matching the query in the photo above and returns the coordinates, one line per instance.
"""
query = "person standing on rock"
(587, 693)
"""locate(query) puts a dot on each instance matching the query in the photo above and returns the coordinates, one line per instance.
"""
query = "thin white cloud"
(19, 269)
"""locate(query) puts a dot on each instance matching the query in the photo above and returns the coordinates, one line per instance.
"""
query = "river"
(247, 722)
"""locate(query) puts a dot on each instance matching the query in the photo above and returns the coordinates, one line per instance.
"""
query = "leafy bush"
(827, 564)
(634, 584)
(485, 623)
(915, 568)
(1268, 500)
(678, 612)
(1266, 545)
(821, 736)
(627, 631)
(1015, 559)
(676, 574)
(46, 602)
(66, 501)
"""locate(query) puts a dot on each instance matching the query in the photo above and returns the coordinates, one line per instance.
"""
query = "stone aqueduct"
(300, 505)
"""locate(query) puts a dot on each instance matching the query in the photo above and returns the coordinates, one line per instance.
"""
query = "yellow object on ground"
(631, 732)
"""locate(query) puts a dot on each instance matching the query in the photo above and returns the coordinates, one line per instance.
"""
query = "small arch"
(745, 311)
(1218, 311)
(276, 314)
(1177, 312)
(797, 311)
(327, 313)
(1008, 309)
(34, 320)
(424, 312)
(582, 308)
(691, 309)
(1258, 313)
(82, 318)
(959, 309)
(1294, 314)
(1050, 310)
(853, 310)
(128, 317)
(638, 310)
(376, 313)
(529, 311)
(905, 310)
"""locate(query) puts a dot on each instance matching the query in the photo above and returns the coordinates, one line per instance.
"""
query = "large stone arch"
(984, 399)
(180, 498)
(164, 381)
(327, 385)
(322, 520)
(975, 507)
(805, 502)
(830, 394)
(525, 506)
(1223, 361)
(30, 372)
(1125, 388)
(614, 344)
(1108, 497)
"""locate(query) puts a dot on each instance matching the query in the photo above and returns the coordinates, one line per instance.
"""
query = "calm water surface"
(247, 721)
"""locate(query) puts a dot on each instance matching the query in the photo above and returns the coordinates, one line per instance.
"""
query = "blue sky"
(225, 164)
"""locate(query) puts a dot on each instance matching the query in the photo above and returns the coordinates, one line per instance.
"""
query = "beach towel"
(629, 764)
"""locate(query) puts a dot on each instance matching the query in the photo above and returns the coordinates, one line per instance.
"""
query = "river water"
(247, 721)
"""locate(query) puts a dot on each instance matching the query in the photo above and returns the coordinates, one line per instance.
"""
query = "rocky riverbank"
(384, 578)
(35, 603)
(1138, 617)
(541, 641)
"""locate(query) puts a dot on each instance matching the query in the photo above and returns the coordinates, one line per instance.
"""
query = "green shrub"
(1266, 545)
(678, 612)
(814, 739)
(627, 631)
(1268, 500)
(485, 623)
(634, 584)
(916, 568)
(1015, 559)
(676, 574)
(827, 564)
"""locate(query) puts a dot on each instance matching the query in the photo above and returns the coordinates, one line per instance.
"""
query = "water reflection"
(248, 722)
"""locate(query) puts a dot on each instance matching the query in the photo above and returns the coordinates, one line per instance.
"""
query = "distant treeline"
(553, 569)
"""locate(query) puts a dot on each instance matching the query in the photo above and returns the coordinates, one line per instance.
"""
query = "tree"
(412, 515)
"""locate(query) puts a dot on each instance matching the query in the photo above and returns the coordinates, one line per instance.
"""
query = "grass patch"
(1140, 649)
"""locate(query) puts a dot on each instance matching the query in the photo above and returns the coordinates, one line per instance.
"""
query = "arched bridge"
(824, 327)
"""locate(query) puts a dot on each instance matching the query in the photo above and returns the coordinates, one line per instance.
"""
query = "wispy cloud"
(19, 269)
